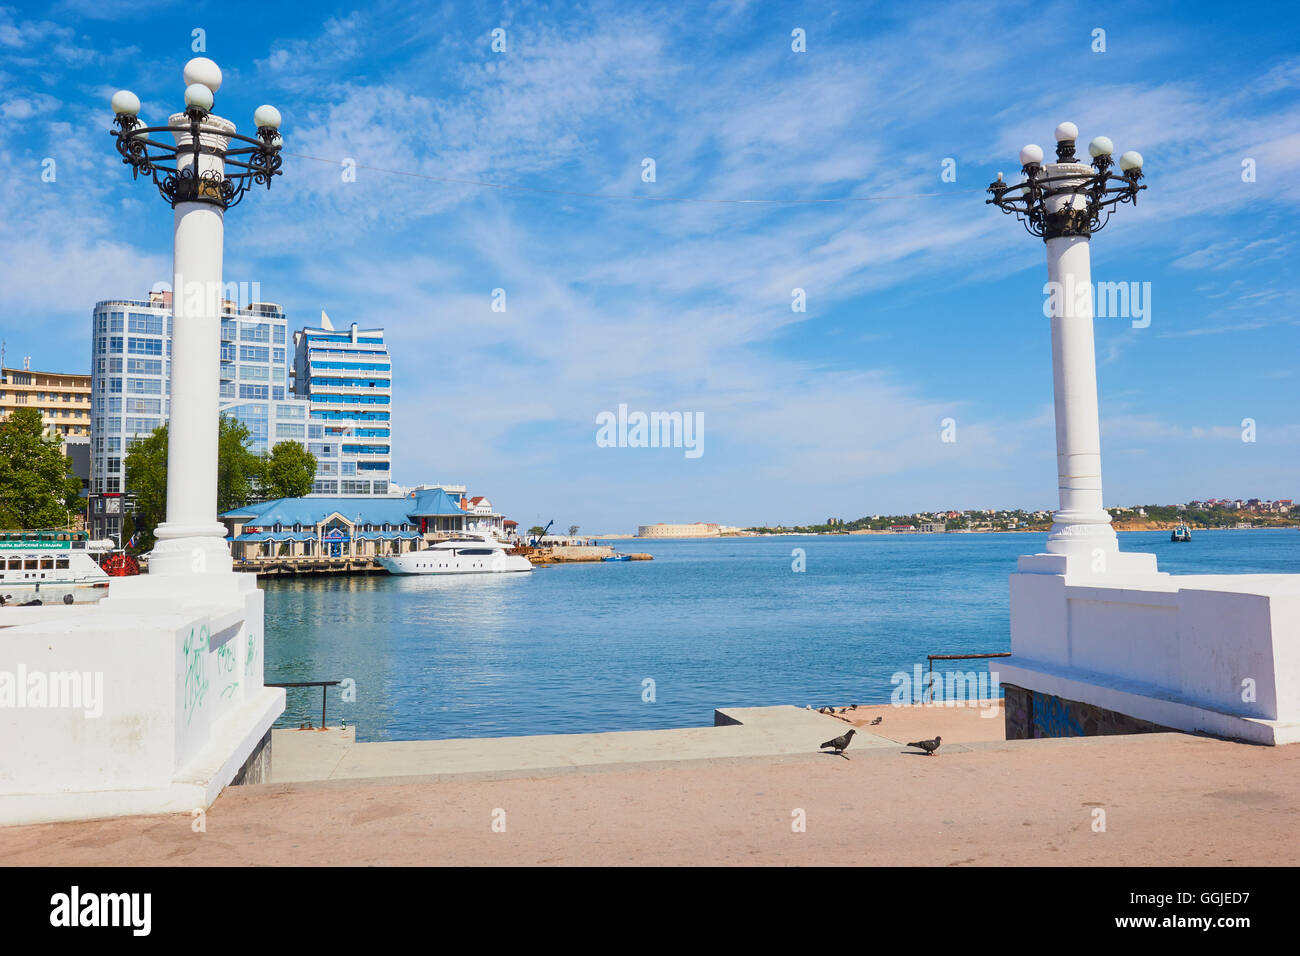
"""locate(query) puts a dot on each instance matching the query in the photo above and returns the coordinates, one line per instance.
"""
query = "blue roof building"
(330, 526)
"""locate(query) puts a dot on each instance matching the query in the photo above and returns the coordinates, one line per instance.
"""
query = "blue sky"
(918, 309)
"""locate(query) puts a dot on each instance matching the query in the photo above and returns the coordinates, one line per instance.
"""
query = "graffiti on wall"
(1053, 717)
(195, 650)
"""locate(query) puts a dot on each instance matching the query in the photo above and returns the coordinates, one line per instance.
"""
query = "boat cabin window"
(474, 551)
(47, 564)
(15, 564)
(29, 564)
(61, 563)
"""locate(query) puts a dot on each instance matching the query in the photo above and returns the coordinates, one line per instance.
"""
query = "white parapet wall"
(151, 701)
(1216, 654)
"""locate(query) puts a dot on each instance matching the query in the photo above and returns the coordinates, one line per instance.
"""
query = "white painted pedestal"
(184, 706)
(1209, 653)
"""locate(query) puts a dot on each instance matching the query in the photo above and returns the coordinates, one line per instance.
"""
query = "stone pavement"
(1154, 799)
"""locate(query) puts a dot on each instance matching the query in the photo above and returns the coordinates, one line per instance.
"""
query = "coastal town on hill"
(1211, 513)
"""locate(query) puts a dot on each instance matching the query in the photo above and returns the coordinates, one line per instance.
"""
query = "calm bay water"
(714, 623)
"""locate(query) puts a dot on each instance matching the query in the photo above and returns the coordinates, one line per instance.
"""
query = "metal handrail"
(324, 686)
(929, 684)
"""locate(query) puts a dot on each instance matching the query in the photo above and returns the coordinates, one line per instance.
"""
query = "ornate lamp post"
(1065, 202)
(201, 177)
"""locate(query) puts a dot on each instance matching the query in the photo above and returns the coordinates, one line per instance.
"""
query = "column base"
(190, 549)
(1093, 561)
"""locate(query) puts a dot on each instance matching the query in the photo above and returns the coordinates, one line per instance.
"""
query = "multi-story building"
(62, 398)
(131, 385)
(346, 376)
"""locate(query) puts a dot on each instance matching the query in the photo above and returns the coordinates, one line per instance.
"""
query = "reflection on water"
(713, 623)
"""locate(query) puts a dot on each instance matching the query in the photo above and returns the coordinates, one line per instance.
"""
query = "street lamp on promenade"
(1064, 203)
(201, 177)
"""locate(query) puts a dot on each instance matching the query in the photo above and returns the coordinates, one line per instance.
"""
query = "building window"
(146, 323)
(143, 346)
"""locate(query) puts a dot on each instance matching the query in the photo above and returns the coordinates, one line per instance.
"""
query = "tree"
(146, 477)
(289, 471)
(536, 531)
(146, 474)
(573, 531)
(237, 467)
(36, 489)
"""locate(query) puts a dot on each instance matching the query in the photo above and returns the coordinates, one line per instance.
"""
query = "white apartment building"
(346, 378)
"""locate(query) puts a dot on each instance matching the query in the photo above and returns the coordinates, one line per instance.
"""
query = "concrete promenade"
(301, 755)
(1167, 799)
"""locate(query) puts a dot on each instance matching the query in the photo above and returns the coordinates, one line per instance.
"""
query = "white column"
(1082, 540)
(192, 540)
(1082, 523)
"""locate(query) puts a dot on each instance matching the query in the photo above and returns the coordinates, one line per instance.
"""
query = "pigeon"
(853, 707)
(929, 746)
(844, 710)
(877, 721)
(839, 744)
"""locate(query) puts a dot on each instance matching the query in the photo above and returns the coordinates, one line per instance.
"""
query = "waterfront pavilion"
(336, 527)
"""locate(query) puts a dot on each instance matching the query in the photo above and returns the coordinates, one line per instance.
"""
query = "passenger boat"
(471, 552)
(617, 557)
(1181, 533)
(51, 567)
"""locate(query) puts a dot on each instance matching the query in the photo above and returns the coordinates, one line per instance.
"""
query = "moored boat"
(51, 567)
(1181, 533)
(471, 552)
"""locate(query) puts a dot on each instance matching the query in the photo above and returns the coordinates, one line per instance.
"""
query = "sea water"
(638, 645)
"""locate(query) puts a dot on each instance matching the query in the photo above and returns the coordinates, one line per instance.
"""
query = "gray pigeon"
(877, 721)
(839, 744)
(929, 746)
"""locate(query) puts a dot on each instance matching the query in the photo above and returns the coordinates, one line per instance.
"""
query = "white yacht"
(471, 552)
(51, 567)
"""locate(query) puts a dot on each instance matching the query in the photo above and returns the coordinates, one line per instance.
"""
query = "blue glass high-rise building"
(346, 377)
(131, 383)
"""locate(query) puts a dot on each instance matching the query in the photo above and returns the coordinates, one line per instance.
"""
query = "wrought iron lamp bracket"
(255, 164)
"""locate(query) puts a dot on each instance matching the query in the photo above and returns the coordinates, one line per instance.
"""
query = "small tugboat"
(51, 567)
(1181, 533)
(617, 557)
